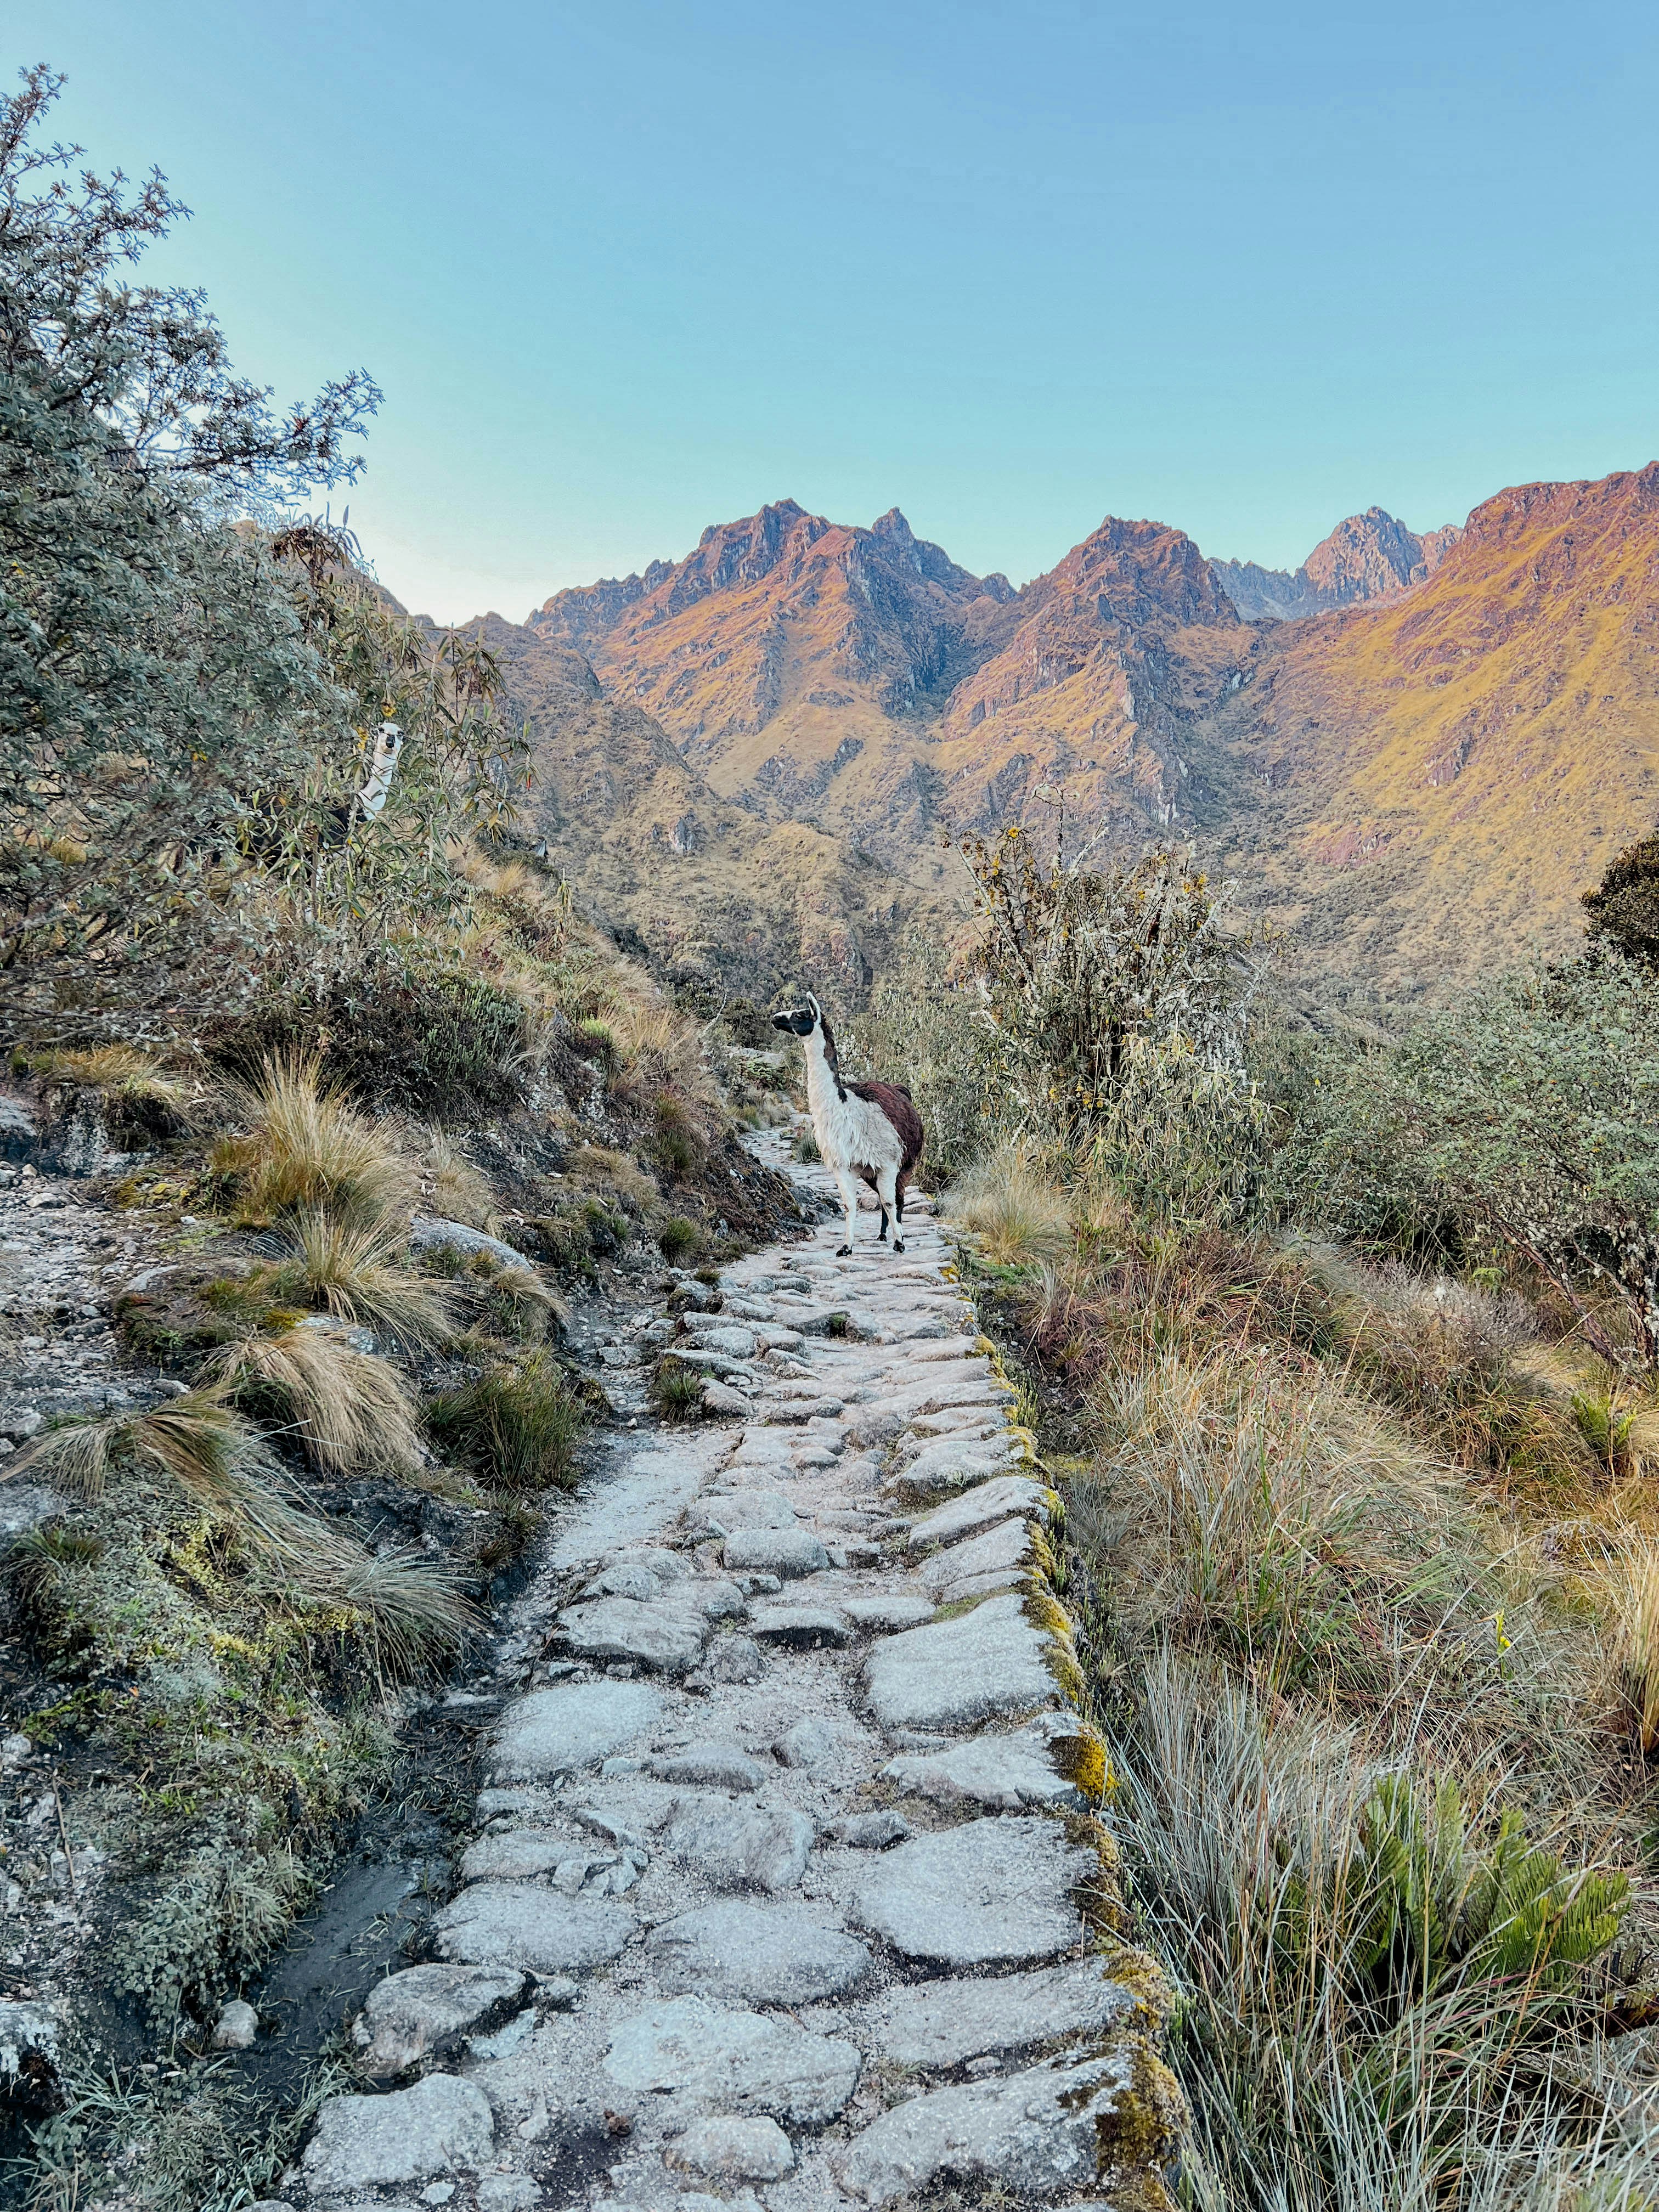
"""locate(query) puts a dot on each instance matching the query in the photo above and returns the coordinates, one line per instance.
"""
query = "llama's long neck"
(823, 1091)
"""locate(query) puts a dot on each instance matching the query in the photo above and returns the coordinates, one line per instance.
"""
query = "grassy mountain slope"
(714, 891)
(1426, 785)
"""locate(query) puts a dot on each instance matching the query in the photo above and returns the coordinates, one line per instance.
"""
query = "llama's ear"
(818, 1011)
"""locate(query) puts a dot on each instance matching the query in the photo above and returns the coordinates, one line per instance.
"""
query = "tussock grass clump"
(355, 1270)
(678, 1236)
(596, 1040)
(1267, 1513)
(453, 1190)
(677, 1144)
(224, 1467)
(307, 1148)
(659, 1047)
(599, 1167)
(676, 1390)
(1383, 1980)
(135, 1090)
(1018, 1215)
(513, 1426)
(350, 1409)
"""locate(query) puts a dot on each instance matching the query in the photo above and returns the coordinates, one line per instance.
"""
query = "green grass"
(677, 1237)
(516, 1427)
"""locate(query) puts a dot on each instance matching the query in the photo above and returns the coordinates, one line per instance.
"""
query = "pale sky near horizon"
(627, 271)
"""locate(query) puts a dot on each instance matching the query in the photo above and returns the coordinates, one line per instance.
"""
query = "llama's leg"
(847, 1184)
(886, 1194)
(899, 1189)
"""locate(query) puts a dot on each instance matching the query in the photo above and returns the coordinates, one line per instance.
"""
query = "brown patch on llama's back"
(896, 1102)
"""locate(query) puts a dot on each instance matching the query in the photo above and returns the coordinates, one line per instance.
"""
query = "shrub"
(1529, 1112)
(746, 1025)
(1079, 967)
(1624, 907)
(515, 1426)
(400, 1028)
(805, 1149)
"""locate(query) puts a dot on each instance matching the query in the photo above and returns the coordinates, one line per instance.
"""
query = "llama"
(868, 1131)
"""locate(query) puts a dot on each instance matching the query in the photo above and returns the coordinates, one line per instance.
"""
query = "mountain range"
(1413, 751)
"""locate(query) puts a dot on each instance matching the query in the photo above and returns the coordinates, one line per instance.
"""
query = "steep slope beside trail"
(784, 1878)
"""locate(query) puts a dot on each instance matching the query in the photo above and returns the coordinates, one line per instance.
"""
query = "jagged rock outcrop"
(1366, 557)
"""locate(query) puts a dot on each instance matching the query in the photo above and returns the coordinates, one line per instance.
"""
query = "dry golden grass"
(658, 1045)
(597, 1167)
(307, 1147)
(356, 1269)
(1630, 1597)
(453, 1190)
(350, 1409)
(120, 1073)
(1018, 1215)
(408, 1609)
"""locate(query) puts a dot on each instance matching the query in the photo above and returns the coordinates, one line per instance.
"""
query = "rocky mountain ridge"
(793, 722)
(1366, 557)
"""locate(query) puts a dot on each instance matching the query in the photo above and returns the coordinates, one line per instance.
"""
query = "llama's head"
(801, 1021)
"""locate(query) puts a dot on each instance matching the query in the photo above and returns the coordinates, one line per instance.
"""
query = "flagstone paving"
(781, 1894)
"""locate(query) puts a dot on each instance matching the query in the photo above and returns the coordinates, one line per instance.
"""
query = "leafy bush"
(396, 1026)
(1529, 1112)
(152, 677)
(1624, 907)
(1082, 970)
(515, 1426)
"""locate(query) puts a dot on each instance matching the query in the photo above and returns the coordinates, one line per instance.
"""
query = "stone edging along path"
(786, 1890)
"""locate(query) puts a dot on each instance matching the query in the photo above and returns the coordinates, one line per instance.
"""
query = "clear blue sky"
(625, 268)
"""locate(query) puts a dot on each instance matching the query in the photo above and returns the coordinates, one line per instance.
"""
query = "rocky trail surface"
(784, 1889)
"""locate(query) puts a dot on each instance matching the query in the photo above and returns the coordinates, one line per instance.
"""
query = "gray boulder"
(442, 2125)
(411, 2015)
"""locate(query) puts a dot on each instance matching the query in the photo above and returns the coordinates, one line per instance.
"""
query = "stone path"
(784, 1889)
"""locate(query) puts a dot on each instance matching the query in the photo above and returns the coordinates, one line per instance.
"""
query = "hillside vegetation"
(360, 1116)
(1343, 1360)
